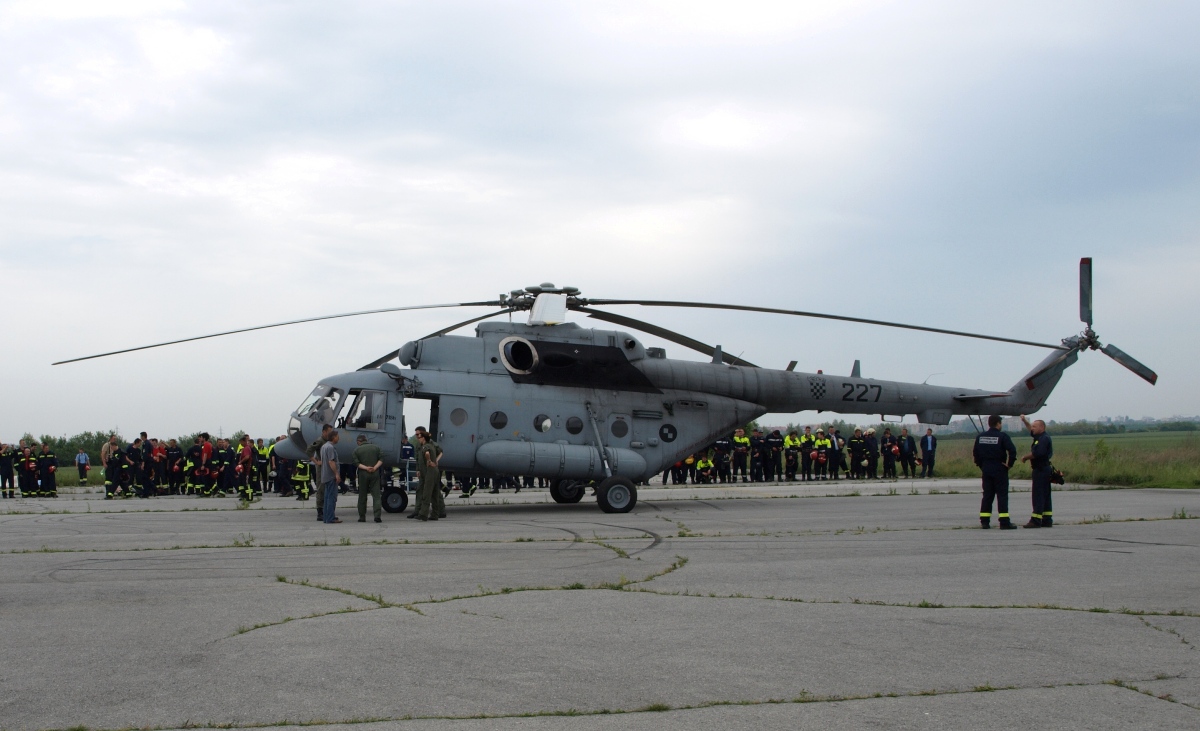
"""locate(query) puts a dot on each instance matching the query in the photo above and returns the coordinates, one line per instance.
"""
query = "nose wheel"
(616, 495)
(395, 499)
(567, 491)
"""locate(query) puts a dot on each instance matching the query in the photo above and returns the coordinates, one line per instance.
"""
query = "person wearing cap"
(369, 459)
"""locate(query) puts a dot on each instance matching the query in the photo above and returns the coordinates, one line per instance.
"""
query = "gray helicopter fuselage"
(537, 400)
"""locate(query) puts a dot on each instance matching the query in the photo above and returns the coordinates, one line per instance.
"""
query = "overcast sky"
(170, 169)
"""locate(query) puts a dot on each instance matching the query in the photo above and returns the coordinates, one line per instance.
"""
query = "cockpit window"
(317, 393)
(321, 405)
(369, 411)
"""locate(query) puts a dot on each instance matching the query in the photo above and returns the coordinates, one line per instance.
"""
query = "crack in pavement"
(802, 697)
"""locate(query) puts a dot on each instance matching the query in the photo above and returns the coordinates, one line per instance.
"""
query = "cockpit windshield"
(316, 395)
(321, 404)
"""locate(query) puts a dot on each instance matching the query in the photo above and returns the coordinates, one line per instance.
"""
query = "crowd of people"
(813, 455)
(249, 468)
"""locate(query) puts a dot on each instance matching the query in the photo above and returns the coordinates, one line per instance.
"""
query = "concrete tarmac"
(764, 606)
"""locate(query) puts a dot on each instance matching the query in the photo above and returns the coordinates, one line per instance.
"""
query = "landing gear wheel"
(395, 499)
(616, 495)
(567, 491)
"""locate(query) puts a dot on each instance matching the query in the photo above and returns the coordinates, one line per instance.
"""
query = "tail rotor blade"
(1130, 362)
(1085, 290)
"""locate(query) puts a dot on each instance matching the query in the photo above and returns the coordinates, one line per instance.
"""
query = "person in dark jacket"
(994, 454)
(908, 453)
(1039, 458)
(928, 453)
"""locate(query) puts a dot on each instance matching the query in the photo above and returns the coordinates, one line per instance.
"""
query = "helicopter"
(588, 406)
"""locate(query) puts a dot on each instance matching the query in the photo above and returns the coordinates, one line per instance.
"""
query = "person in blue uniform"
(889, 447)
(1039, 458)
(757, 455)
(928, 453)
(721, 451)
(994, 453)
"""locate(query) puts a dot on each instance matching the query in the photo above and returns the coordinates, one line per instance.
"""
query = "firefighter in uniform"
(773, 456)
(1039, 458)
(301, 479)
(133, 456)
(721, 450)
(174, 468)
(994, 454)
(821, 447)
(191, 468)
(791, 455)
(109, 460)
(858, 451)
(27, 473)
(757, 455)
(741, 455)
(872, 454)
(706, 472)
(6, 471)
(262, 465)
(807, 445)
(48, 472)
(244, 471)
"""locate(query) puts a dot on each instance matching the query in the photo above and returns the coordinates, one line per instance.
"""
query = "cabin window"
(619, 428)
(574, 425)
(542, 423)
(498, 419)
(369, 411)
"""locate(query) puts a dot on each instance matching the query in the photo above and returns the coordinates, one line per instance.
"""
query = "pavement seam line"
(804, 697)
(925, 604)
(1129, 685)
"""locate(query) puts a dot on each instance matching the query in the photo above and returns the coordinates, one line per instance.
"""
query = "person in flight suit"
(369, 459)
(1039, 458)
(429, 455)
(721, 451)
(741, 455)
(791, 455)
(908, 453)
(47, 463)
(757, 455)
(858, 453)
(773, 456)
(6, 471)
(994, 454)
(889, 447)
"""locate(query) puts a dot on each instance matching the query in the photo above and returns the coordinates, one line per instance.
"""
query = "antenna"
(931, 375)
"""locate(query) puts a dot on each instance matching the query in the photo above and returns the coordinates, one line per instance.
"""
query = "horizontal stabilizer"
(980, 396)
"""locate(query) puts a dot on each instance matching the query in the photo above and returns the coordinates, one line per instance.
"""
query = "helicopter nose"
(287, 450)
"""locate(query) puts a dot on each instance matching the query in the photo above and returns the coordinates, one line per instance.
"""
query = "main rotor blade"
(1085, 290)
(1130, 362)
(820, 315)
(384, 359)
(663, 333)
(280, 324)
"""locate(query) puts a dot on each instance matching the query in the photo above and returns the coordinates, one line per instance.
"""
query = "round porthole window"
(458, 417)
(542, 423)
(619, 429)
(574, 425)
(498, 419)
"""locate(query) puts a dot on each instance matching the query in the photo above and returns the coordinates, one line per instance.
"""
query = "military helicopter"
(582, 406)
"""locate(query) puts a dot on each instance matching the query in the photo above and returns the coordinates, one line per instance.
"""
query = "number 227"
(862, 390)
